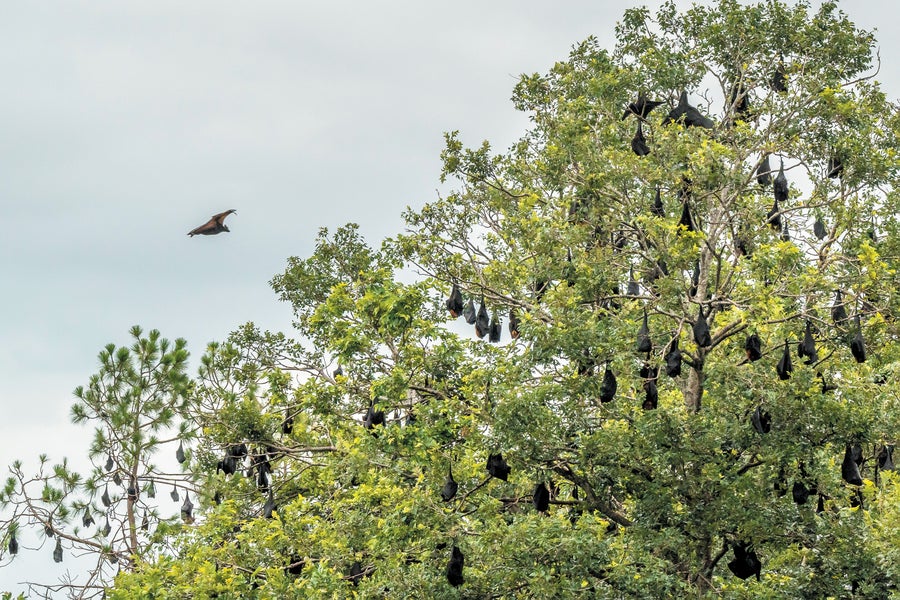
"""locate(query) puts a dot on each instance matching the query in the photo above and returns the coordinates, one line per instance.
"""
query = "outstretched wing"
(221, 216)
(203, 229)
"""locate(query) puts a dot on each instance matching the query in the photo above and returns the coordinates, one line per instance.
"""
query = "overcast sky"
(125, 125)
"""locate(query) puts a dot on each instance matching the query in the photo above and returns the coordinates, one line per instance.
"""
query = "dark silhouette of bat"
(826, 387)
(807, 347)
(838, 312)
(701, 331)
(541, 497)
(835, 168)
(784, 367)
(639, 142)
(773, 218)
(495, 329)
(886, 458)
(609, 386)
(753, 348)
(695, 279)
(746, 562)
(633, 288)
(785, 232)
(686, 220)
(658, 209)
(469, 312)
(819, 228)
(764, 172)
(187, 510)
(455, 302)
(450, 487)
(215, 225)
(269, 507)
(673, 359)
(643, 337)
(373, 417)
(287, 426)
(356, 573)
(778, 81)
(690, 116)
(850, 468)
(651, 398)
(227, 465)
(858, 344)
(455, 568)
(780, 185)
(497, 467)
(800, 493)
(513, 324)
(641, 107)
(761, 420)
(739, 98)
(482, 321)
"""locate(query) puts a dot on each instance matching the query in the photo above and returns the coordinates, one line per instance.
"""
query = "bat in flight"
(215, 225)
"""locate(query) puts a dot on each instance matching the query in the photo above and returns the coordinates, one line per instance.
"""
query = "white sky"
(125, 125)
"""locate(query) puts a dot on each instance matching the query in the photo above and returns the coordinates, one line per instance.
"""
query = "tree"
(744, 450)
(139, 394)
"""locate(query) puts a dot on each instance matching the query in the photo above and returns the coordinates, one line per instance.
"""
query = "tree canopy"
(689, 261)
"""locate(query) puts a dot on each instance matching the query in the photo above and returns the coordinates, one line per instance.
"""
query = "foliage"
(140, 393)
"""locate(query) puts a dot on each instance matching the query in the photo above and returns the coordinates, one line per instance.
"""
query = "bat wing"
(221, 216)
(204, 229)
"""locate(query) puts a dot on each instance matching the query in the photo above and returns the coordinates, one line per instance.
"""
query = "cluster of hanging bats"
(745, 563)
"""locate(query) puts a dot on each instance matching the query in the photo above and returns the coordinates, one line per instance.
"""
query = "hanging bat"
(784, 367)
(780, 185)
(761, 420)
(497, 467)
(455, 568)
(641, 107)
(541, 497)
(450, 487)
(609, 386)
(643, 337)
(673, 359)
(455, 302)
(639, 142)
(807, 347)
(701, 331)
(746, 563)
(753, 347)
(187, 510)
(849, 467)
(689, 115)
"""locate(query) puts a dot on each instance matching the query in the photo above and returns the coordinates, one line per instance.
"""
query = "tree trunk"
(693, 390)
